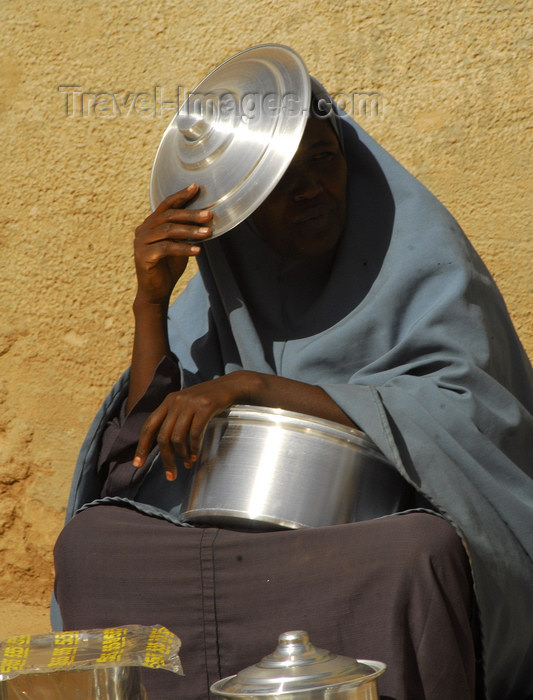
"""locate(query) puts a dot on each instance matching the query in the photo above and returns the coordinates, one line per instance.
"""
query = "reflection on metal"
(297, 670)
(267, 468)
(264, 476)
(236, 134)
(122, 683)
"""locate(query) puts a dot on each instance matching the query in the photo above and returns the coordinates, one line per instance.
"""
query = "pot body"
(268, 468)
(116, 683)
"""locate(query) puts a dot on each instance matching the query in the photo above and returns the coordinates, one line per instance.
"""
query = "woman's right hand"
(165, 241)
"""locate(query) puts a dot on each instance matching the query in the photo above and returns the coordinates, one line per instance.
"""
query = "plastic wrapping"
(84, 664)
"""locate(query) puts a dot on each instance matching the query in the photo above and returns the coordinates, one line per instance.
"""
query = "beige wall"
(454, 103)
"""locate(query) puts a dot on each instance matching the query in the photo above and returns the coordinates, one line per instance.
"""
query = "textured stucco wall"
(454, 107)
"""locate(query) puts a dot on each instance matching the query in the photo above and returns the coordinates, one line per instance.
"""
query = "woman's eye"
(324, 155)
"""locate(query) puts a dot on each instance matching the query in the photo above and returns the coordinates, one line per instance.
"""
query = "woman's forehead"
(318, 132)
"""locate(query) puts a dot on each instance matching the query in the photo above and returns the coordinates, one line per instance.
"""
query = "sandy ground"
(22, 618)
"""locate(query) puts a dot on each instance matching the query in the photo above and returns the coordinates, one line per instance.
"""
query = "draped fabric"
(407, 332)
(229, 594)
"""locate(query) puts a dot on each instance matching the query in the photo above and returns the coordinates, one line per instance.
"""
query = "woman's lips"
(310, 213)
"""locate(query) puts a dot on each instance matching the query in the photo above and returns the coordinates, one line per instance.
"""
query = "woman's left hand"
(179, 422)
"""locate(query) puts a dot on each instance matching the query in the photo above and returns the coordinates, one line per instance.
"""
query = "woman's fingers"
(170, 426)
(180, 422)
(170, 248)
(174, 224)
(198, 425)
(173, 220)
(148, 434)
(172, 209)
(165, 241)
(172, 439)
(178, 199)
(182, 431)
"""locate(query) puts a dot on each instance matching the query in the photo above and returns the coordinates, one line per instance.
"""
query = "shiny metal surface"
(235, 134)
(297, 670)
(266, 468)
(116, 683)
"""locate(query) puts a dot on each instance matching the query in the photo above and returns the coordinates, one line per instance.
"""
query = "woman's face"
(304, 215)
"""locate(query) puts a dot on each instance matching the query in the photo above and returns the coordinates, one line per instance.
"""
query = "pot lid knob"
(294, 648)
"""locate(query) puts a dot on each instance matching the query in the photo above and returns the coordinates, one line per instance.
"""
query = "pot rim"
(298, 422)
(379, 669)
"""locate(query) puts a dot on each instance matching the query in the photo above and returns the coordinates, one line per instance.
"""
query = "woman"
(351, 294)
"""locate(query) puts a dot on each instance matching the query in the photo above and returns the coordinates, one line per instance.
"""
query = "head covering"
(407, 332)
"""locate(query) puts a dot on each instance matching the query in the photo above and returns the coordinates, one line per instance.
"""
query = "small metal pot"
(115, 683)
(267, 468)
(299, 671)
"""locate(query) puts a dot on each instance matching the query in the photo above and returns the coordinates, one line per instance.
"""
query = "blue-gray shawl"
(409, 335)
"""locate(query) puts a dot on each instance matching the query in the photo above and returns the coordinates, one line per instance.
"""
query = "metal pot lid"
(235, 134)
(296, 665)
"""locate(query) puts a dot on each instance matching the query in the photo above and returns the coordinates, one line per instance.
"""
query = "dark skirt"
(396, 589)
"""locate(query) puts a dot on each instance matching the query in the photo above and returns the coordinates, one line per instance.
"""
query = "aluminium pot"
(113, 683)
(267, 468)
(299, 671)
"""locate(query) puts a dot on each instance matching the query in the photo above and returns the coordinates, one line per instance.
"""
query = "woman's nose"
(307, 186)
